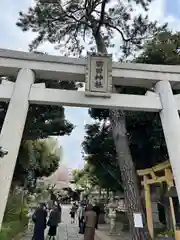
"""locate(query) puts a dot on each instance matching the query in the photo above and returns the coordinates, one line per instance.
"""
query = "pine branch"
(107, 24)
(101, 21)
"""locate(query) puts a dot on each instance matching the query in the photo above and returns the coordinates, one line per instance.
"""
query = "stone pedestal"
(112, 206)
(112, 221)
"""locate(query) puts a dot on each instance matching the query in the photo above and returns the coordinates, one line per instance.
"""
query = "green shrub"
(15, 206)
(15, 218)
(167, 233)
(11, 229)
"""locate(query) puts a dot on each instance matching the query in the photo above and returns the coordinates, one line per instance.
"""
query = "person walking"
(39, 219)
(80, 215)
(53, 222)
(90, 223)
(73, 211)
(97, 210)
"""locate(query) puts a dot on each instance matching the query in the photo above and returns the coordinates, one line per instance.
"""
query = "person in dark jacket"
(59, 210)
(53, 222)
(97, 210)
(39, 219)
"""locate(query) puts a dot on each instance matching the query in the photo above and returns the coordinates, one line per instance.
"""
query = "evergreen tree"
(101, 158)
(44, 120)
(36, 159)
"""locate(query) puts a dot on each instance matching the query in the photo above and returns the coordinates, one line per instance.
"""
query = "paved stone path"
(66, 230)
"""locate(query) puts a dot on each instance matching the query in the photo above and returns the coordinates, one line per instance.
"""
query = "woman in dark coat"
(59, 210)
(53, 222)
(39, 219)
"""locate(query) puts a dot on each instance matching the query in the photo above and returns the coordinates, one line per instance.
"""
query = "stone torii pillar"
(11, 133)
(171, 127)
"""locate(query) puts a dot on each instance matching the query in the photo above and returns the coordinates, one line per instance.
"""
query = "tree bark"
(126, 165)
(128, 174)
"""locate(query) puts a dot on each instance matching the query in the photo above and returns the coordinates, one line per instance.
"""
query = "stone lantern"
(112, 206)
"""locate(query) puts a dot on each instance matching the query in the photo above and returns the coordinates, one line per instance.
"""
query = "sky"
(13, 38)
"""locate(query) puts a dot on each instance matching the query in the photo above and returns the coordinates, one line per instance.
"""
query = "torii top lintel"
(51, 67)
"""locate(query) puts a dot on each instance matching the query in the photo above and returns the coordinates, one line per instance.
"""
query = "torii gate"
(150, 177)
(100, 75)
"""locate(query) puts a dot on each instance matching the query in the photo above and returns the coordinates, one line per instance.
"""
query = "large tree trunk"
(128, 174)
(127, 169)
